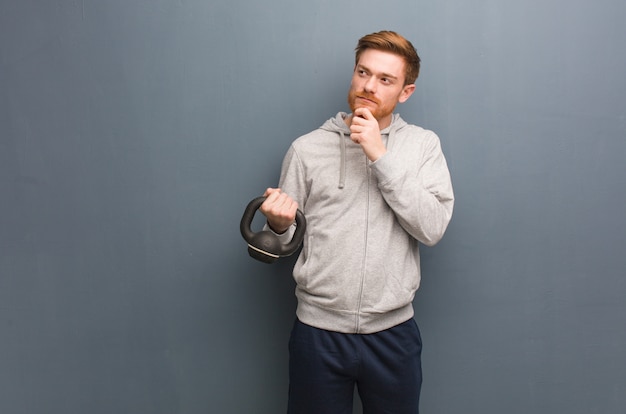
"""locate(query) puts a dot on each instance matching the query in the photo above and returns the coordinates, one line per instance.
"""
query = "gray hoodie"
(359, 267)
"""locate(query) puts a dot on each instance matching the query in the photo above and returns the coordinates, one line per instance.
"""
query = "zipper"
(365, 247)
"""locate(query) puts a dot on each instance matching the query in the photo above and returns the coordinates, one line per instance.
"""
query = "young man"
(372, 188)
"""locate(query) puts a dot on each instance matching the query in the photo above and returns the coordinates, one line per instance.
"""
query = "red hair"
(388, 41)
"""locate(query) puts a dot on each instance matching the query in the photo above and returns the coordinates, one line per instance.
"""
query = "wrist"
(277, 230)
(377, 154)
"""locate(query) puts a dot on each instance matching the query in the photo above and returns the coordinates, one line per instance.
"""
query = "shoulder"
(416, 135)
(327, 133)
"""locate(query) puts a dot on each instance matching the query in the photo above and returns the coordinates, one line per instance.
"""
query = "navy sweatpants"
(324, 368)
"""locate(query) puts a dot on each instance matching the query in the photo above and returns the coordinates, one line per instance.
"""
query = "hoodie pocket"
(395, 290)
(326, 278)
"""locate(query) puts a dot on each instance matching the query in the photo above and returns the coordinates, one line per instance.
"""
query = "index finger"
(271, 191)
(364, 113)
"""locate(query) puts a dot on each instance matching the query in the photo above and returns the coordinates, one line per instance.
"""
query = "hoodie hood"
(339, 126)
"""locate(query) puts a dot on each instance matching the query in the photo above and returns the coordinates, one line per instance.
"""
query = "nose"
(370, 85)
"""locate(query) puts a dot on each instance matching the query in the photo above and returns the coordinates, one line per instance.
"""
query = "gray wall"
(134, 132)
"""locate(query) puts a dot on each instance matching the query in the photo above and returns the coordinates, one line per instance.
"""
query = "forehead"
(379, 61)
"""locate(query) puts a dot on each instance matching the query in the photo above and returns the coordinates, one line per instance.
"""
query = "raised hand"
(365, 131)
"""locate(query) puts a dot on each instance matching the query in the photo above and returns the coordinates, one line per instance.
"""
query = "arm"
(282, 203)
(421, 198)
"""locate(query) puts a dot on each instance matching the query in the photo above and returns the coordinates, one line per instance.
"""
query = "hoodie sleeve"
(291, 182)
(415, 183)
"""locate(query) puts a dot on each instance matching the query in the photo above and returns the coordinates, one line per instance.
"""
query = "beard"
(365, 100)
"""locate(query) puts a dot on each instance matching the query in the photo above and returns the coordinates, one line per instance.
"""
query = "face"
(378, 84)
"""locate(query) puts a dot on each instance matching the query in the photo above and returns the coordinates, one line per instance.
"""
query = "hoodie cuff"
(384, 169)
(285, 237)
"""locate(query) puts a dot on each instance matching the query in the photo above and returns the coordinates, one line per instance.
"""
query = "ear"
(407, 91)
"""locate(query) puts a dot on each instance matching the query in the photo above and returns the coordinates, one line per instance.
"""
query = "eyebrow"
(384, 75)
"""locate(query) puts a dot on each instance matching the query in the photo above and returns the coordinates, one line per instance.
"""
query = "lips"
(370, 100)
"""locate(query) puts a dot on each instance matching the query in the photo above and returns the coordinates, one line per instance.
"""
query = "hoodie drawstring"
(342, 167)
(392, 132)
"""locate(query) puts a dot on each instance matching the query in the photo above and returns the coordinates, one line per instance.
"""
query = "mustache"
(368, 97)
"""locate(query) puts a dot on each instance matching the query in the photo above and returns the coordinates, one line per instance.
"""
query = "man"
(372, 188)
